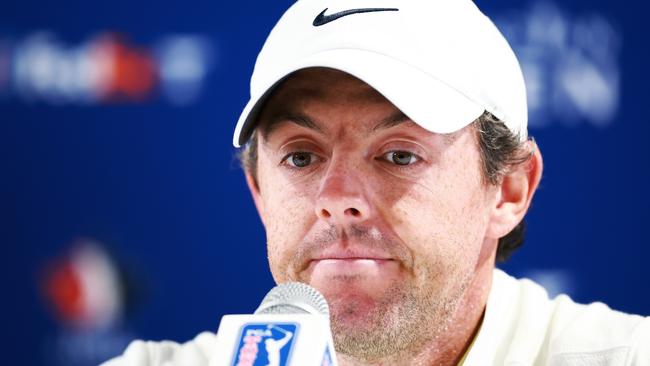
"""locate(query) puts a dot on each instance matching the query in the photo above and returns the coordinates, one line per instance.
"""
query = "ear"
(515, 194)
(255, 193)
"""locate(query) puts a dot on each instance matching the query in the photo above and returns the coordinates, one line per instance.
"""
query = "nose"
(342, 200)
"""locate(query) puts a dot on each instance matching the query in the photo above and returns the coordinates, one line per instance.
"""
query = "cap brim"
(425, 99)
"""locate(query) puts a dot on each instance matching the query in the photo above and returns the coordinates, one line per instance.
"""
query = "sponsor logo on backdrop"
(85, 292)
(107, 68)
(570, 63)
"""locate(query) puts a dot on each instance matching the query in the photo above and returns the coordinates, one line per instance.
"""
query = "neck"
(448, 346)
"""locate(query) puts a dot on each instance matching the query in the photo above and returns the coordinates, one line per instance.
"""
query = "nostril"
(354, 212)
(325, 213)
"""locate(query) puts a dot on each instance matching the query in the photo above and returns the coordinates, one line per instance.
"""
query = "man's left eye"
(400, 157)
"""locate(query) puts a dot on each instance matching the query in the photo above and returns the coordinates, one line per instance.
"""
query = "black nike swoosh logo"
(322, 19)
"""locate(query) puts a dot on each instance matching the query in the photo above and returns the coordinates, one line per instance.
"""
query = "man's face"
(384, 218)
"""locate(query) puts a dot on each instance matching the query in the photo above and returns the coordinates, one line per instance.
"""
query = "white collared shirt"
(522, 326)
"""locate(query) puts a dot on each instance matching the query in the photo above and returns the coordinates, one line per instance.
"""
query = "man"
(387, 154)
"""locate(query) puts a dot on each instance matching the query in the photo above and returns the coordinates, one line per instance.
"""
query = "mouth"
(356, 253)
(348, 263)
(352, 255)
(348, 260)
(338, 263)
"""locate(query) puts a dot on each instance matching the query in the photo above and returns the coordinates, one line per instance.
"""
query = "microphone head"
(294, 298)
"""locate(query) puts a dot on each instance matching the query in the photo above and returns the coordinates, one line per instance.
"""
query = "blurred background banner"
(103, 69)
(125, 214)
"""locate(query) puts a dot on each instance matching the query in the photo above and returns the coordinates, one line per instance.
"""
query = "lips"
(349, 261)
(349, 266)
(352, 254)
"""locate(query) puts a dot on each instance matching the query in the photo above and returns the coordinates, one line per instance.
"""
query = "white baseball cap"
(441, 62)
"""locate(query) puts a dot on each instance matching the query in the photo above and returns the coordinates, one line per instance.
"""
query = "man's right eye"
(299, 159)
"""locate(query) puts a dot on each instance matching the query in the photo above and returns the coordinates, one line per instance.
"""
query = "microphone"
(289, 328)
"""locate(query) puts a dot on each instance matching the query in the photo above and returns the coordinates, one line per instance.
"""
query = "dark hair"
(500, 149)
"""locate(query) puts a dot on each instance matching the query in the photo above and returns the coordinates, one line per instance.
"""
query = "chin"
(355, 302)
(354, 287)
(354, 311)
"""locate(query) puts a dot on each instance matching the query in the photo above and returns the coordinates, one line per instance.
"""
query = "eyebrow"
(393, 120)
(298, 119)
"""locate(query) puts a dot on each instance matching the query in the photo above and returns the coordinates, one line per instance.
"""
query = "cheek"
(444, 216)
(288, 215)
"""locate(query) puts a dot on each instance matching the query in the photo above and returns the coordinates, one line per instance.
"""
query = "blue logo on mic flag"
(327, 358)
(265, 344)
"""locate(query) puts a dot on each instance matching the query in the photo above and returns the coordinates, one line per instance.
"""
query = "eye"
(299, 159)
(400, 157)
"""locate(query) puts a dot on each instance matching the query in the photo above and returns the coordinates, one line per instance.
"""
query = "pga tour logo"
(327, 358)
(265, 344)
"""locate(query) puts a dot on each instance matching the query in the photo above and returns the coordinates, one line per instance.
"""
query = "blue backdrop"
(150, 176)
